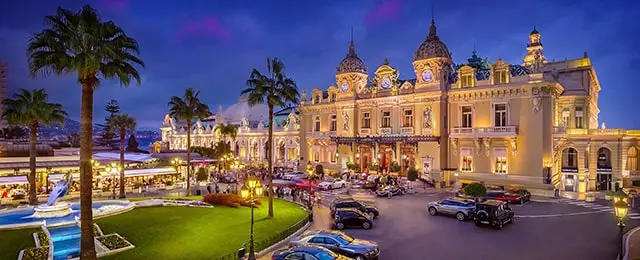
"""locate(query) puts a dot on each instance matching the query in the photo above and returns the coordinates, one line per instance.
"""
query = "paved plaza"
(563, 229)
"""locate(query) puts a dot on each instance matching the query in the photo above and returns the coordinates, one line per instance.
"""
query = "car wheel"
(366, 225)
(340, 226)
(433, 211)
(372, 215)
(500, 226)
(460, 216)
(360, 257)
(521, 201)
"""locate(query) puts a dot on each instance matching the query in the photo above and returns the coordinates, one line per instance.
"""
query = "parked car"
(307, 252)
(351, 217)
(339, 243)
(494, 213)
(227, 178)
(331, 183)
(393, 189)
(462, 209)
(339, 203)
(519, 197)
(294, 176)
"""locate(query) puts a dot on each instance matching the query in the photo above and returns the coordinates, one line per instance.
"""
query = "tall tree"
(188, 108)
(122, 123)
(276, 89)
(82, 44)
(112, 107)
(227, 130)
(32, 109)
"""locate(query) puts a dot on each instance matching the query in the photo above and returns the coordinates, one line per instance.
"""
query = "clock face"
(386, 83)
(427, 76)
(345, 87)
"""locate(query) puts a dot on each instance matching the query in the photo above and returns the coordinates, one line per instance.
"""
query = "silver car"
(340, 243)
(460, 208)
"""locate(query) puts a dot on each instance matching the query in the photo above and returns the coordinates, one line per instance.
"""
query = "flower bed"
(230, 200)
(113, 241)
(43, 238)
(41, 253)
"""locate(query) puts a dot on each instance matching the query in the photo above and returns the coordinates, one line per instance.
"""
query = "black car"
(307, 252)
(370, 210)
(351, 217)
(494, 213)
(340, 243)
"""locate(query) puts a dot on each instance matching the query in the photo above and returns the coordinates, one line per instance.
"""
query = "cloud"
(206, 27)
(384, 11)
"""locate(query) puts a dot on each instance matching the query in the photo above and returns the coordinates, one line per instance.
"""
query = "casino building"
(532, 124)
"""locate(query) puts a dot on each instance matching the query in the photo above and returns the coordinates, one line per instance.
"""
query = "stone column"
(582, 180)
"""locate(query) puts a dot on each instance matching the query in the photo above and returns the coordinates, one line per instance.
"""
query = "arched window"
(604, 159)
(632, 159)
(281, 151)
(570, 159)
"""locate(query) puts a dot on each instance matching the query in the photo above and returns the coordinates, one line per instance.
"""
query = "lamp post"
(251, 189)
(621, 209)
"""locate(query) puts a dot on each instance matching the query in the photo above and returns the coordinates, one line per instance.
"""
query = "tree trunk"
(87, 244)
(189, 157)
(270, 158)
(33, 137)
(123, 132)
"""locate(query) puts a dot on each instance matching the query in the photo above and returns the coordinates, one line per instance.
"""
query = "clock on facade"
(427, 76)
(345, 87)
(386, 83)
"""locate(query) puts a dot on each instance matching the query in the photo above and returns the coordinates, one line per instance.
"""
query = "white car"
(294, 176)
(331, 184)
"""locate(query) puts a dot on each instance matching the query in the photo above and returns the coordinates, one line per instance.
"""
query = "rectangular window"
(500, 114)
(334, 97)
(333, 157)
(317, 126)
(334, 123)
(467, 81)
(366, 120)
(467, 163)
(565, 117)
(386, 119)
(408, 118)
(579, 118)
(501, 164)
(316, 156)
(467, 115)
(316, 100)
(500, 77)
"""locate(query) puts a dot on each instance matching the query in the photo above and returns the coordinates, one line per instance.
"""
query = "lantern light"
(621, 209)
(244, 192)
(259, 190)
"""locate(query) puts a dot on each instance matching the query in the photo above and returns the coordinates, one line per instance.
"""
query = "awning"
(142, 172)
(10, 180)
(134, 157)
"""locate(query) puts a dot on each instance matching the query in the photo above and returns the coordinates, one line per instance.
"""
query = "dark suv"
(370, 210)
(350, 217)
(494, 213)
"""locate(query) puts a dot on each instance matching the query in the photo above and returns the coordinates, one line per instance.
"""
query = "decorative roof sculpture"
(432, 47)
(352, 63)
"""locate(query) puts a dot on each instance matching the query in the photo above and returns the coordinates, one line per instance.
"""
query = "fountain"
(53, 208)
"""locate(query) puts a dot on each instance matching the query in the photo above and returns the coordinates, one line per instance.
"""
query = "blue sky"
(212, 45)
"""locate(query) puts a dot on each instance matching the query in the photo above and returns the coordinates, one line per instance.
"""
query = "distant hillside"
(72, 126)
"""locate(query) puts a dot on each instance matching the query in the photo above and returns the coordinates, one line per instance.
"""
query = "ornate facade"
(250, 145)
(533, 124)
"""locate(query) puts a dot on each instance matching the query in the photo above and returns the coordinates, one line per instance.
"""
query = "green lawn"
(12, 241)
(194, 233)
(133, 199)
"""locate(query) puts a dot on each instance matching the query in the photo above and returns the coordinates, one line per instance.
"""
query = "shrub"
(475, 190)
(352, 166)
(41, 253)
(412, 174)
(201, 175)
(43, 238)
(319, 169)
(229, 200)
(373, 166)
(395, 167)
(113, 242)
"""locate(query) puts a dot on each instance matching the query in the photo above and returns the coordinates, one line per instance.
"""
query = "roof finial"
(351, 33)
(352, 46)
(433, 16)
(432, 28)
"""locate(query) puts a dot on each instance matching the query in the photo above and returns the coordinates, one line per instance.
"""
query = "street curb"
(284, 241)
(626, 242)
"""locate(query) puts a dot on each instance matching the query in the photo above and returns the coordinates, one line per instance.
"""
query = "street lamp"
(251, 189)
(621, 209)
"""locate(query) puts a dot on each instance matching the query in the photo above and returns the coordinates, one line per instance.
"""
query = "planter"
(590, 198)
(607, 197)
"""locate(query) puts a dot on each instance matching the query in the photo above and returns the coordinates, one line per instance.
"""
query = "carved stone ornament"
(303, 96)
(345, 121)
(536, 101)
(244, 122)
(428, 121)
(260, 125)
(476, 142)
(487, 146)
(514, 145)
(454, 145)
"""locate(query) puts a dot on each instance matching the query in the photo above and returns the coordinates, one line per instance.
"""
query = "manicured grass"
(132, 199)
(195, 233)
(12, 241)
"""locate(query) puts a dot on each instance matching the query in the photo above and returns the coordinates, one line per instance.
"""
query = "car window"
(326, 254)
(344, 239)
(317, 240)
(330, 241)
(295, 256)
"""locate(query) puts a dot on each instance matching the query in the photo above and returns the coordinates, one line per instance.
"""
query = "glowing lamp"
(244, 192)
(259, 191)
(251, 183)
(620, 196)
(357, 155)
(337, 154)
(621, 209)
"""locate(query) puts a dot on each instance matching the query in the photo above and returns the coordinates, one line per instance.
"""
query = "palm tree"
(188, 109)
(82, 44)
(122, 122)
(32, 109)
(276, 89)
(227, 130)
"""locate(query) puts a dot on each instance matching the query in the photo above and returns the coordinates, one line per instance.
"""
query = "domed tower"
(432, 63)
(351, 74)
(534, 58)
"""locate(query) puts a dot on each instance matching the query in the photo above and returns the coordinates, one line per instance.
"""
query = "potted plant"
(412, 175)
(373, 167)
(352, 166)
(475, 190)
(608, 195)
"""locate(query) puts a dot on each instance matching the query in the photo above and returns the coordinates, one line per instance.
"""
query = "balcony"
(385, 131)
(494, 131)
(319, 134)
(365, 131)
(408, 130)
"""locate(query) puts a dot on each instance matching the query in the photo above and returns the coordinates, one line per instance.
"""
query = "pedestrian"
(217, 188)
(209, 188)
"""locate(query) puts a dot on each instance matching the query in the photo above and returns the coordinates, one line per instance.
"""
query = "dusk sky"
(213, 45)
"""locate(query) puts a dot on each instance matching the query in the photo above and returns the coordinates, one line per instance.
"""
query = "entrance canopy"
(11, 180)
(132, 157)
(142, 172)
(385, 139)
